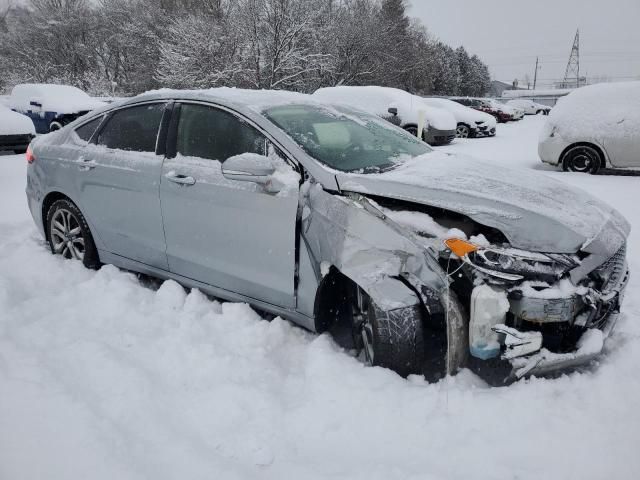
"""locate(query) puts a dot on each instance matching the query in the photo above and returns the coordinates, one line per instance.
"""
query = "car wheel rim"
(583, 161)
(66, 235)
(462, 132)
(366, 332)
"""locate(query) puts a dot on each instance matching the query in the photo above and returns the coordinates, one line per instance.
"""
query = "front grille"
(613, 271)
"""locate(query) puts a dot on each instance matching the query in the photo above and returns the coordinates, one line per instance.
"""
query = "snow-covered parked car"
(50, 106)
(470, 122)
(399, 107)
(335, 219)
(593, 128)
(16, 131)
(529, 106)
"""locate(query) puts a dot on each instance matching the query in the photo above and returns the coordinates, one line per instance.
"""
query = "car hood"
(533, 211)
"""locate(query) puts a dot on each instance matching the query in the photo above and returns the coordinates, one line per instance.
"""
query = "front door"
(230, 234)
(120, 182)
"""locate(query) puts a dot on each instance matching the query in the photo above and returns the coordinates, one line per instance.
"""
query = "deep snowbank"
(105, 376)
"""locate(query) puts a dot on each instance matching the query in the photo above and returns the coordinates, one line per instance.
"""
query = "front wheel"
(414, 131)
(69, 235)
(581, 159)
(462, 131)
(391, 339)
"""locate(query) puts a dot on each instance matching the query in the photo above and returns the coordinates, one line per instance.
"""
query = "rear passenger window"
(86, 131)
(208, 132)
(134, 129)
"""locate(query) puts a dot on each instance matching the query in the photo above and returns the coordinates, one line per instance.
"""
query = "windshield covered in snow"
(345, 139)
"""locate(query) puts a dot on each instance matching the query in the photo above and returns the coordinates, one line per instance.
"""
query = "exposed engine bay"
(524, 307)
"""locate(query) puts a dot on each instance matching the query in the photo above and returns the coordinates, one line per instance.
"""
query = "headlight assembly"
(510, 264)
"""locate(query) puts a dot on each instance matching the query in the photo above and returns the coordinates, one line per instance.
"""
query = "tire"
(540, 112)
(414, 131)
(390, 339)
(55, 125)
(463, 131)
(68, 234)
(582, 159)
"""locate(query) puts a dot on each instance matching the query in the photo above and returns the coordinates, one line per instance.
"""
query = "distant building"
(546, 97)
(497, 87)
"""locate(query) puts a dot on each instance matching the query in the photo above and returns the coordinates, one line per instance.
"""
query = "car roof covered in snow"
(53, 98)
(256, 100)
(601, 111)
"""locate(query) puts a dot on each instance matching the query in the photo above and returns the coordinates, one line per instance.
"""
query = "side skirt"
(128, 264)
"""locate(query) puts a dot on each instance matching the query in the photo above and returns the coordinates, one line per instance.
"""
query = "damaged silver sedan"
(340, 222)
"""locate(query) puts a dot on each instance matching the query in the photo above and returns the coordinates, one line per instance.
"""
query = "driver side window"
(214, 134)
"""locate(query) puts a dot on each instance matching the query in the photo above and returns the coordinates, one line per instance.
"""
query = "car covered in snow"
(594, 128)
(470, 123)
(529, 106)
(50, 106)
(16, 131)
(339, 221)
(399, 107)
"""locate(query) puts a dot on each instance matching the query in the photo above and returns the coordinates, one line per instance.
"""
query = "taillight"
(30, 156)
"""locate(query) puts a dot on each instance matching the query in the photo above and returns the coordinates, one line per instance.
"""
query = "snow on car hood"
(439, 118)
(13, 123)
(533, 211)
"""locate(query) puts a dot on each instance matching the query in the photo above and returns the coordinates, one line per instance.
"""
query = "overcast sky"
(508, 35)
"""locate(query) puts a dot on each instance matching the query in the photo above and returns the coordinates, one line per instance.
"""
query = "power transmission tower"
(573, 66)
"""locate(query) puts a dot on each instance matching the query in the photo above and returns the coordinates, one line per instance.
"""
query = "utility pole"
(573, 66)
(535, 75)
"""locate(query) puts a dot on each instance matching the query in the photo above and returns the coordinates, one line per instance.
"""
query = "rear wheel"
(462, 131)
(581, 159)
(69, 235)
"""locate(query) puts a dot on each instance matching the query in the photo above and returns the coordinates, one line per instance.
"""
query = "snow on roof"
(255, 99)
(554, 92)
(602, 111)
(378, 100)
(53, 98)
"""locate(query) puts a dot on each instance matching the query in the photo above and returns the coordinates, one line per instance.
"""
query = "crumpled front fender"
(364, 245)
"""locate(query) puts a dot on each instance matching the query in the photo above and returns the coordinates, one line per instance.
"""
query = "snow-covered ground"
(105, 376)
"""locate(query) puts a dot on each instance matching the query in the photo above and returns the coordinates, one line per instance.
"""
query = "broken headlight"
(511, 264)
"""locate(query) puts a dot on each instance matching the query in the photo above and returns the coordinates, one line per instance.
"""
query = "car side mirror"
(248, 167)
(393, 111)
(34, 103)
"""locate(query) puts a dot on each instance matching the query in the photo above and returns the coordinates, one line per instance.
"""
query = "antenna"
(573, 66)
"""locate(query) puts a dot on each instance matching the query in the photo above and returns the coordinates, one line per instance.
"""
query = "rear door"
(119, 176)
(622, 141)
(230, 234)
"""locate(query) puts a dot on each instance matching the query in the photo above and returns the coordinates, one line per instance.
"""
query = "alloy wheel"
(66, 235)
(462, 131)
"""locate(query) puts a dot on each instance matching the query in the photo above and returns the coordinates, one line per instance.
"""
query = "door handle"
(180, 179)
(85, 164)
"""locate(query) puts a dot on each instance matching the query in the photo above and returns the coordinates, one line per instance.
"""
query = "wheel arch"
(336, 289)
(601, 152)
(49, 199)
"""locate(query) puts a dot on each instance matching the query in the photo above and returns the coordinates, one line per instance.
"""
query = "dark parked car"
(16, 131)
(502, 115)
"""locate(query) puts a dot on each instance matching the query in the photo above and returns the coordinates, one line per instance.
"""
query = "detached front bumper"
(525, 350)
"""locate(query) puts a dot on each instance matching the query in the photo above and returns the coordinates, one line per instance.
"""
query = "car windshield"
(345, 139)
